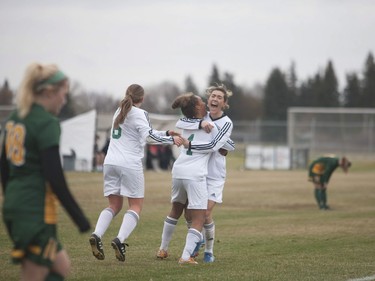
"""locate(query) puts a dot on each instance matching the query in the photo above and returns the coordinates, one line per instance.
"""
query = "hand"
(206, 126)
(185, 142)
(178, 140)
(223, 151)
(173, 133)
(84, 226)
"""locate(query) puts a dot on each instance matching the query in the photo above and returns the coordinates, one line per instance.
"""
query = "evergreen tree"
(214, 77)
(275, 106)
(275, 102)
(352, 91)
(237, 106)
(327, 94)
(369, 82)
(6, 94)
(190, 85)
(292, 85)
(306, 95)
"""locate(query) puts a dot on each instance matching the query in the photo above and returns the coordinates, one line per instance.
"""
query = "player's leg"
(209, 230)
(170, 223)
(197, 204)
(31, 271)
(105, 218)
(60, 268)
(178, 199)
(318, 194)
(193, 236)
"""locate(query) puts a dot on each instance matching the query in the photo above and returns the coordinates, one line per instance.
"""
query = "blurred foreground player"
(32, 176)
(320, 171)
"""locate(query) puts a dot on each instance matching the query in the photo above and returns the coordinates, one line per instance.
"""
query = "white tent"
(77, 141)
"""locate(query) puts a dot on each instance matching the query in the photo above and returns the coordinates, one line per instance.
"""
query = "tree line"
(269, 101)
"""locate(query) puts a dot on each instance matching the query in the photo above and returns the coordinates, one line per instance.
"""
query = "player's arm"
(217, 142)
(4, 168)
(194, 124)
(53, 173)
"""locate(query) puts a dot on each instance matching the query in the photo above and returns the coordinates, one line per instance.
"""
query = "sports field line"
(367, 278)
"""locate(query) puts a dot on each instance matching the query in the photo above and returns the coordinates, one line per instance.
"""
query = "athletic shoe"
(208, 257)
(189, 261)
(119, 249)
(196, 250)
(96, 246)
(162, 254)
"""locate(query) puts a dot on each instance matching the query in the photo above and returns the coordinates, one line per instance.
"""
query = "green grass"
(268, 228)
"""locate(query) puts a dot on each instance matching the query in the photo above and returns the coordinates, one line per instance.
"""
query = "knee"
(62, 264)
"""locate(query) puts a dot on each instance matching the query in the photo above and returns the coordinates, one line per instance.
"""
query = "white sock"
(210, 237)
(104, 221)
(192, 238)
(129, 222)
(168, 229)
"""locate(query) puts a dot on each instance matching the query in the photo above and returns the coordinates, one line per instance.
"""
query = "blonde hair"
(187, 102)
(134, 94)
(222, 88)
(37, 79)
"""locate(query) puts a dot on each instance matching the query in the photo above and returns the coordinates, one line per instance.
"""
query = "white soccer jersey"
(126, 147)
(217, 162)
(192, 164)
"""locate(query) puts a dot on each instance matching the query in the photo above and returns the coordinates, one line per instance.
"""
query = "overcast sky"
(108, 45)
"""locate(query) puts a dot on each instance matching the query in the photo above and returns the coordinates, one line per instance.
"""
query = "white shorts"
(125, 182)
(193, 191)
(215, 190)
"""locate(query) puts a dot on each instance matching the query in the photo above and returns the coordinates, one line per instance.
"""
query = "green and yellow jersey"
(322, 168)
(27, 194)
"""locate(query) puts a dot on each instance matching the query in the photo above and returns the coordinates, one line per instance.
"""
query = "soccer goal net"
(332, 130)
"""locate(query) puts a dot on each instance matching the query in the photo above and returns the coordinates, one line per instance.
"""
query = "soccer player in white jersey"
(217, 102)
(189, 173)
(123, 169)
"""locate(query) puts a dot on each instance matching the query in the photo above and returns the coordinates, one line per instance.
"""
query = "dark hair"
(134, 94)
(187, 102)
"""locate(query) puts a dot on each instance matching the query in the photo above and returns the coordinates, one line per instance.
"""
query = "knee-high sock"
(192, 238)
(209, 230)
(129, 222)
(104, 221)
(318, 196)
(324, 197)
(168, 229)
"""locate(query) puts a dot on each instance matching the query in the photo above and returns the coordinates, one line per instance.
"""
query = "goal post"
(332, 130)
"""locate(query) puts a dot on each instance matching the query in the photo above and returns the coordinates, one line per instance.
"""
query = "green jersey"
(322, 168)
(27, 194)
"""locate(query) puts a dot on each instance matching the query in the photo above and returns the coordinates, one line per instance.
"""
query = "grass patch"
(268, 228)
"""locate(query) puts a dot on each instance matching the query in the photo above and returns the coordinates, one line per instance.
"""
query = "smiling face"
(216, 103)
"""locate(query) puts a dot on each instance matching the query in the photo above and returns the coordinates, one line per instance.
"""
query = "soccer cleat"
(208, 257)
(119, 249)
(96, 246)
(162, 254)
(189, 261)
(196, 249)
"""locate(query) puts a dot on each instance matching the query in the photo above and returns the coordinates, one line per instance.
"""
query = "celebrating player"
(32, 176)
(123, 170)
(320, 172)
(217, 102)
(189, 177)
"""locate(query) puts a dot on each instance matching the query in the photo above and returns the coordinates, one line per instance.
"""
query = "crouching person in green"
(320, 171)
(32, 177)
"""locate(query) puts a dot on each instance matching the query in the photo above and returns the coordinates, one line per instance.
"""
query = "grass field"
(268, 228)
